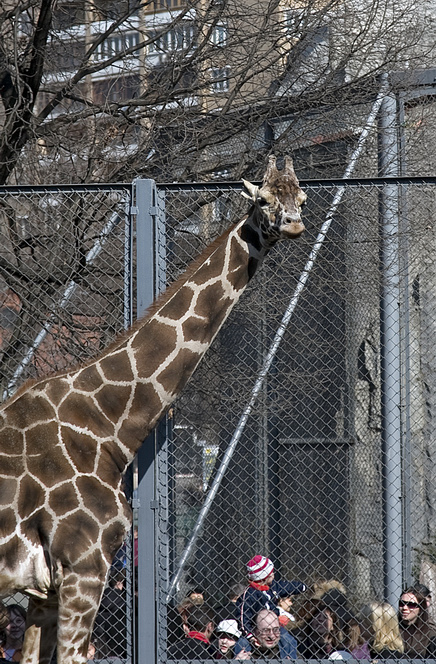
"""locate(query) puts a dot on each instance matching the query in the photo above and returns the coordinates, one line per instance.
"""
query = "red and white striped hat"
(259, 568)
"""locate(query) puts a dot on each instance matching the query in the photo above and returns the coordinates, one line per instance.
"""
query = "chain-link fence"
(65, 293)
(306, 434)
(328, 471)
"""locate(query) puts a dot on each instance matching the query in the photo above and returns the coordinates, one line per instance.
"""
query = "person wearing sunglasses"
(417, 631)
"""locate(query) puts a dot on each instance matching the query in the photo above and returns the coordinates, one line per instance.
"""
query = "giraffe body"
(66, 440)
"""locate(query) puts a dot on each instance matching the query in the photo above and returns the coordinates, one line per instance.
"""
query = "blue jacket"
(253, 600)
(287, 645)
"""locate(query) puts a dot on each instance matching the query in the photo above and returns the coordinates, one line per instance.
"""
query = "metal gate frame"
(155, 564)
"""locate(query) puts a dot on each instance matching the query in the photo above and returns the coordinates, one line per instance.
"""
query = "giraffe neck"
(115, 401)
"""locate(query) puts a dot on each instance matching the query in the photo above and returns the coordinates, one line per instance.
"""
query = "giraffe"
(66, 439)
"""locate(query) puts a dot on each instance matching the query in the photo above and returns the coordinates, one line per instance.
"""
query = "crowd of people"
(258, 622)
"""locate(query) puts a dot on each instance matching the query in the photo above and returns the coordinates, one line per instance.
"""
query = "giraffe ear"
(252, 190)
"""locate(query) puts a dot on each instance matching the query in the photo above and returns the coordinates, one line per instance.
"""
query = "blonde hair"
(384, 626)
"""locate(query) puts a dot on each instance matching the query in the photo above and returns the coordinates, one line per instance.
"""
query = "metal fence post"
(390, 356)
(146, 492)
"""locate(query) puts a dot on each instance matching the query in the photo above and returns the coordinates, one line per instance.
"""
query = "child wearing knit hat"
(263, 592)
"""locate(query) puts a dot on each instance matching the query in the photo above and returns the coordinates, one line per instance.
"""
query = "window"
(220, 79)
(219, 35)
(157, 5)
(179, 38)
(116, 89)
(116, 44)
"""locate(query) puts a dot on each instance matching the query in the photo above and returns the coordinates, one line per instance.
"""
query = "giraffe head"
(278, 201)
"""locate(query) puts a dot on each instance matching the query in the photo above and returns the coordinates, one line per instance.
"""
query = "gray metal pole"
(128, 302)
(146, 292)
(390, 355)
(406, 382)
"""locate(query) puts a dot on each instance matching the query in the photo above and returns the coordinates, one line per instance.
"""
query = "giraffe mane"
(154, 307)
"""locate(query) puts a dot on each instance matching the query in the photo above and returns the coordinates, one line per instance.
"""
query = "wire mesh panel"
(65, 293)
(306, 435)
(64, 288)
(330, 474)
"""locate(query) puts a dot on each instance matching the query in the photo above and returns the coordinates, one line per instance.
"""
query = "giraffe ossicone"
(66, 440)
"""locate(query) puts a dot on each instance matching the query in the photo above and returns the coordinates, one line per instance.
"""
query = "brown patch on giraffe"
(88, 379)
(63, 499)
(75, 534)
(97, 498)
(155, 348)
(153, 344)
(81, 411)
(111, 464)
(81, 448)
(36, 438)
(30, 497)
(28, 409)
(47, 464)
(11, 441)
(181, 302)
(56, 390)
(8, 521)
(111, 540)
(146, 404)
(8, 489)
(214, 305)
(194, 330)
(117, 367)
(113, 400)
(13, 550)
(179, 370)
(238, 277)
(212, 269)
(35, 525)
(11, 466)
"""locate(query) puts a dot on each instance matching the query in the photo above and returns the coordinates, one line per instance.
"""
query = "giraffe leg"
(79, 601)
(41, 627)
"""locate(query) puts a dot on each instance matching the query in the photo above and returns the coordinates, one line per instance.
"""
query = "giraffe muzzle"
(292, 230)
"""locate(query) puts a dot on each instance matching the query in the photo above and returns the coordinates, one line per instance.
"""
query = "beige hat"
(229, 627)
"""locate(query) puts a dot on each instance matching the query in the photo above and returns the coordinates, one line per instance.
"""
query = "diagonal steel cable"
(372, 117)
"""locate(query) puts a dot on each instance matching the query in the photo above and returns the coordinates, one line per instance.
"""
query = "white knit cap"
(229, 627)
(259, 568)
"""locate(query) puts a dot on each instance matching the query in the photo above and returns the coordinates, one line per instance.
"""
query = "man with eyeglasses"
(269, 641)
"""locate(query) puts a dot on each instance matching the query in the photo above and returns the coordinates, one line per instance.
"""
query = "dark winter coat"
(253, 600)
(190, 648)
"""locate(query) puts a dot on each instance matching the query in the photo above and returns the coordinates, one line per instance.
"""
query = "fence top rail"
(322, 182)
(7, 190)
(228, 185)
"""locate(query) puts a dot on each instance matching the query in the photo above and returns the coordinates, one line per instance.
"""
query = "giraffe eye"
(262, 201)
